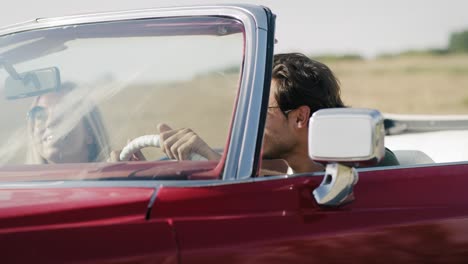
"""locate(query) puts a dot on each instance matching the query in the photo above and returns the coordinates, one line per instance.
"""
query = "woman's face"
(51, 139)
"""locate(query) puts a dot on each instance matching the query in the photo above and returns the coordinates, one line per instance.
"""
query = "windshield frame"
(243, 137)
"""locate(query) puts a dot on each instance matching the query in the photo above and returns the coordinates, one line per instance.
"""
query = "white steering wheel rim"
(147, 141)
(137, 144)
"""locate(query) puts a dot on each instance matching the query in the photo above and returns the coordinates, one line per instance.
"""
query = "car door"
(400, 214)
(58, 223)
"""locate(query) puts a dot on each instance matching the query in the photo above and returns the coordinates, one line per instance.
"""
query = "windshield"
(78, 94)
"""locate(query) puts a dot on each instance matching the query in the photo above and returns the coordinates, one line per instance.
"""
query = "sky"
(365, 27)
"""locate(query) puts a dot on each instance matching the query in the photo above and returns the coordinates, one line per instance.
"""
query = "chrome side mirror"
(349, 136)
(337, 186)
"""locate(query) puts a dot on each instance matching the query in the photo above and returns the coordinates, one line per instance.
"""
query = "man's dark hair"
(303, 81)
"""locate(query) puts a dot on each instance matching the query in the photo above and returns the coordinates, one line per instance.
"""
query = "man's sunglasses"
(286, 112)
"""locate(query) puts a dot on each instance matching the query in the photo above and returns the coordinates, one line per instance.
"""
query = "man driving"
(300, 86)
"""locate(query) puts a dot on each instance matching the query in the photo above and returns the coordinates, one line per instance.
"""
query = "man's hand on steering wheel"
(181, 143)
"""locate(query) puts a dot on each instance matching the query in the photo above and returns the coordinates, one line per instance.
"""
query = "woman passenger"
(64, 128)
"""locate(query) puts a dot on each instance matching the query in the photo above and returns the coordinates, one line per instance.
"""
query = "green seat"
(389, 159)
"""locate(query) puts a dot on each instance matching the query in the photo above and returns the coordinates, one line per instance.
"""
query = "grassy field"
(405, 85)
(204, 104)
(413, 85)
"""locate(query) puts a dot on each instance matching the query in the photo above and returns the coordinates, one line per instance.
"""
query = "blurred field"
(406, 85)
(203, 104)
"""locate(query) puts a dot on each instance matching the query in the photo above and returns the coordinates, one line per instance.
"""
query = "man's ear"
(302, 116)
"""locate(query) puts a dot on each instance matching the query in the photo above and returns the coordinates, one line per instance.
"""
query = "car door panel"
(82, 225)
(397, 216)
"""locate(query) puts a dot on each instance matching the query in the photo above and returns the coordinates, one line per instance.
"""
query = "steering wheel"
(147, 141)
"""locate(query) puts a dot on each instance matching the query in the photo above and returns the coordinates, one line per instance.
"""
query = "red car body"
(395, 218)
(185, 212)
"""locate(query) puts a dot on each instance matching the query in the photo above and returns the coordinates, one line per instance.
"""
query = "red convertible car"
(75, 89)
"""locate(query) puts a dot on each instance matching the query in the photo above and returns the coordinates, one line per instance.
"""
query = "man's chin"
(268, 155)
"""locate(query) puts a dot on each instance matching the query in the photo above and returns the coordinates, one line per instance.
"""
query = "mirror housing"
(32, 83)
(347, 135)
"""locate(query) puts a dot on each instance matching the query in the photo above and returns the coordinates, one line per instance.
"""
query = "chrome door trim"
(248, 14)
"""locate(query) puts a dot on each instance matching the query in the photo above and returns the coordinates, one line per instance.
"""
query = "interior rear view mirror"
(32, 83)
(347, 135)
